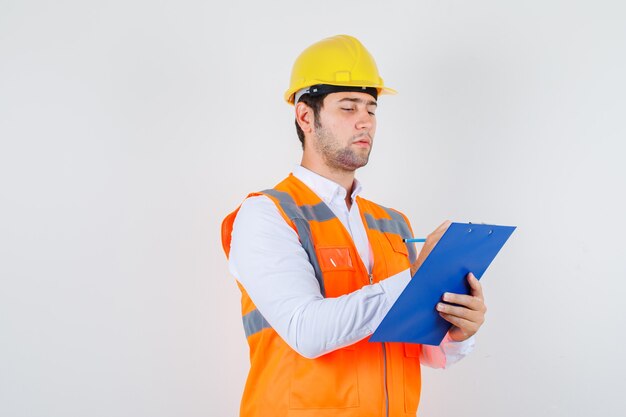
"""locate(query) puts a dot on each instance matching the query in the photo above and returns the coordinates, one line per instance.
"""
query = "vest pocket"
(335, 258)
(338, 269)
(397, 244)
(412, 377)
(329, 381)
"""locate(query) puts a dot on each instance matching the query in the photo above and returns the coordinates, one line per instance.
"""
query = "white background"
(129, 129)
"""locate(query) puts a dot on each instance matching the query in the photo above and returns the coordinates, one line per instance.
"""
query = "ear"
(304, 117)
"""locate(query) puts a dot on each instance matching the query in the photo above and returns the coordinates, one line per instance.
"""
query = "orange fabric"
(356, 381)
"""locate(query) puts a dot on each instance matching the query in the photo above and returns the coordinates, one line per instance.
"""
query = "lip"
(364, 142)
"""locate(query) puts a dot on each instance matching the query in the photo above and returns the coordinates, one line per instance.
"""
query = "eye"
(347, 109)
(372, 113)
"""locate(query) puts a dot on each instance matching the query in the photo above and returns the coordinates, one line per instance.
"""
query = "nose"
(365, 120)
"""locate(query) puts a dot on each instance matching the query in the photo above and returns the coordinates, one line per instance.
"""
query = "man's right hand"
(431, 241)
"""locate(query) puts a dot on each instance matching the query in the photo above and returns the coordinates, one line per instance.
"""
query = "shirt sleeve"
(266, 257)
(447, 353)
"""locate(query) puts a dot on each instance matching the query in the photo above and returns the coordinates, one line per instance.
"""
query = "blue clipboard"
(463, 248)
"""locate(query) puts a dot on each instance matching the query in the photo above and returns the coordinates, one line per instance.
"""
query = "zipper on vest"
(385, 380)
(371, 277)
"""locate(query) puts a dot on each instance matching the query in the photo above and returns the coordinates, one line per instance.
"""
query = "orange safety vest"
(361, 380)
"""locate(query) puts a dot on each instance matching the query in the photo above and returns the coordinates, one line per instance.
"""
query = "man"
(319, 266)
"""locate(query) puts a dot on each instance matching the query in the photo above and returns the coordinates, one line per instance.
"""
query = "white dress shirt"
(266, 257)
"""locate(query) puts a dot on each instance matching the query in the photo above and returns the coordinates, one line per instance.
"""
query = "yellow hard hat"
(338, 61)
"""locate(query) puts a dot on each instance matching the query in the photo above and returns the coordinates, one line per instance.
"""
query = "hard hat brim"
(290, 94)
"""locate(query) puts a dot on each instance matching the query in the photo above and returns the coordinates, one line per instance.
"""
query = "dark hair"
(315, 102)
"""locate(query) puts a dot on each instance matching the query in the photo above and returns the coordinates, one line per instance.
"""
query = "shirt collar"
(329, 191)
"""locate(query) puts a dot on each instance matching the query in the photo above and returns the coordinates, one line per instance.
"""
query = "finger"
(466, 326)
(431, 241)
(468, 301)
(473, 316)
(444, 226)
(441, 229)
(476, 288)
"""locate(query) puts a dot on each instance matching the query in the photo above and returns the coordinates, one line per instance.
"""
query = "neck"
(341, 177)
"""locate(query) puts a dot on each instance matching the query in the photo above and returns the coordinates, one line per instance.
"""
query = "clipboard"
(463, 248)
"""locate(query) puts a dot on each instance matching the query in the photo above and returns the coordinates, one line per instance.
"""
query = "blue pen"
(415, 239)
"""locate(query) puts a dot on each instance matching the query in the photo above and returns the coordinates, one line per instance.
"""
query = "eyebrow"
(358, 100)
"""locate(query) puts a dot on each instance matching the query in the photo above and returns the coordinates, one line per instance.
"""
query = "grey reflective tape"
(319, 212)
(386, 225)
(396, 225)
(405, 232)
(304, 232)
(286, 202)
(254, 322)
(301, 220)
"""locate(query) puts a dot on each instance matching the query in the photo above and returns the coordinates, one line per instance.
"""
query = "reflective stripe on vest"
(254, 322)
(300, 216)
(396, 225)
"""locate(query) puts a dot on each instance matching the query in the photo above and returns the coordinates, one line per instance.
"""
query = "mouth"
(364, 141)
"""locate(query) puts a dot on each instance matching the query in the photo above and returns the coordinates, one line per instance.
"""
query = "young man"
(319, 266)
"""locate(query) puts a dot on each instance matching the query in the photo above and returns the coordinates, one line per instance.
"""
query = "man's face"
(346, 128)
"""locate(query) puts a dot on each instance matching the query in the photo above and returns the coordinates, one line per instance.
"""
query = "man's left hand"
(465, 312)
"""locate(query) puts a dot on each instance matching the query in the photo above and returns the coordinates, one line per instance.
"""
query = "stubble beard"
(336, 157)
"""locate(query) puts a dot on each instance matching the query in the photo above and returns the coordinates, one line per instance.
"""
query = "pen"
(415, 239)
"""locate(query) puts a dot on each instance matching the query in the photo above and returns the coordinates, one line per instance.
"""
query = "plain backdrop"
(129, 129)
